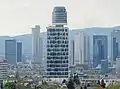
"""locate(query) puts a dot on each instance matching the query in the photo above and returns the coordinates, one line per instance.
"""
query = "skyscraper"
(100, 49)
(72, 53)
(19, 51)
(115, 44)
(10, 51)
(57, 45)
(41, 48)
(81, 42)
(36, 43)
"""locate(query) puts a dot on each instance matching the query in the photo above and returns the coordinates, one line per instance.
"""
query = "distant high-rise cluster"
(115, 44)
(61, 53)
(100, 49)
(81, 48)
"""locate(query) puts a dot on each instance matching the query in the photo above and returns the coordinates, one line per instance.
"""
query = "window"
(58, 34)
(66, 30)
(66, 45)
(66, 53)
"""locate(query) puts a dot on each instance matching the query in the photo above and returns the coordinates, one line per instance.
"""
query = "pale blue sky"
(17, 16)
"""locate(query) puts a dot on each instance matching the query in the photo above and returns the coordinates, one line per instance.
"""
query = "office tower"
(118, 66)
(36, 44)
(10, 51)
(100, 49)
(104, 66)
(81, 42)
(19, 51)
(115, 44)
(3, 68)
(87, 50)
(57, 45)
(41, 48)
(72, 47)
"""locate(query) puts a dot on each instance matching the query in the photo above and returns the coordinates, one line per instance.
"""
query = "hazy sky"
(17, 16)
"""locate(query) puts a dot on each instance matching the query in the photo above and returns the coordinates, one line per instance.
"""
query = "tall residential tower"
(57, 44)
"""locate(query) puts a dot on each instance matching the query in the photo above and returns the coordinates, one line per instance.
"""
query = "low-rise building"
(3, 68)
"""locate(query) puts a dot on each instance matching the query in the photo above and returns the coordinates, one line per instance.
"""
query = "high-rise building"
(10, 51)
(36, 44)
(19, 51)
(115, 44)
(41, 48)
(104, 66)
(72, 53)
(57, 45)
(118, 66)
(81, 49)
(100, 49)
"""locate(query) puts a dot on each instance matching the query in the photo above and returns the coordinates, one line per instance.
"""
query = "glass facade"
(100, 49)
(59, 15)
(104, 66)
(115, 44)
(10, 51)
(57, 52)
(19, 51)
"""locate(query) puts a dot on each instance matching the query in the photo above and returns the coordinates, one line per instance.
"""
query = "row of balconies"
(57, 38)
(57, 49)
(57, 54)
(57, 61)
(57, 69)
(57, 65)
(57, 30)
(58, 41)
(56, 45)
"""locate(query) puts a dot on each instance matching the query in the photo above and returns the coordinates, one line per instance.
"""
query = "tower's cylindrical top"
(59, 16)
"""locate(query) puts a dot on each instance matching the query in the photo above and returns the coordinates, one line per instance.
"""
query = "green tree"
(76, 79)
(64, 81)
(1, 85)
(71, 84)
(103, 83)
(10, 85)
(51, 87)
(98, 82)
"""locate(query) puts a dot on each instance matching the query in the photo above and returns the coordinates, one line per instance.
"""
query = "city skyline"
(60, 57)
(18, 17)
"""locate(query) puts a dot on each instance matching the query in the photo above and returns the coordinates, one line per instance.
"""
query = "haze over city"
(18, 16)
(59, 44)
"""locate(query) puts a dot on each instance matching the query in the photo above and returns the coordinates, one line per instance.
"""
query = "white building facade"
(81, 48)
(36, 43)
